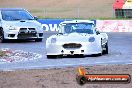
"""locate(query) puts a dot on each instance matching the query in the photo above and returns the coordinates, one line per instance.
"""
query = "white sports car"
(77, 37)
(17, 23)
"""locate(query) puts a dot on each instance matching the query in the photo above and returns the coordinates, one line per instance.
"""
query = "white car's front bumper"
(16, 35)
(86, 49)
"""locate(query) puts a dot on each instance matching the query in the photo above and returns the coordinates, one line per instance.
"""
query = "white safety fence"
(114, 25)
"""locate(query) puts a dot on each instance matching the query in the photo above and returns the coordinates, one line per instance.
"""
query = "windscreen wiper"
(17, 19)
(30, 19)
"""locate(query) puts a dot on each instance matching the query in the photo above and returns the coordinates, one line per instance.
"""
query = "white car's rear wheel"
(106, 49)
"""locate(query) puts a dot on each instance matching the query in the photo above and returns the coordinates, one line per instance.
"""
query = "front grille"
(72, 45)
(23, 29)
(27, 30)
(32, 29)
(24, 36)
(27, 33)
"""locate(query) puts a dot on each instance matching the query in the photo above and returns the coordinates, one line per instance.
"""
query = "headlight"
(11, 27)
(39, 27)
(91, 39)
(53, 40)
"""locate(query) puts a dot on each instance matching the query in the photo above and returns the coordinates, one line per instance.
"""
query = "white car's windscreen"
(13, 15)
(78, 28)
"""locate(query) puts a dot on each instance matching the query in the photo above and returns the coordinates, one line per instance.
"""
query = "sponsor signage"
(84, 77)
(101, 25)
(50, 24)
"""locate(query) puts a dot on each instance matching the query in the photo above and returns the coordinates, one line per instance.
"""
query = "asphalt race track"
(120, 52)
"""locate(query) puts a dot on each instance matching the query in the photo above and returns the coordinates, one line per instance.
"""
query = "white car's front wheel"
(2, 39)
(51, 56)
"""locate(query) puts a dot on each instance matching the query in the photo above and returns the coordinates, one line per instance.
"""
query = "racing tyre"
(51, 56)
(38, 40)
(81, 80)
(100, 54)
(106, 49)
(2, 40)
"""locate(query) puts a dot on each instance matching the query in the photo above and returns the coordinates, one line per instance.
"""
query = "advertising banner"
(50, 24)
(101, 25)
(114, 25)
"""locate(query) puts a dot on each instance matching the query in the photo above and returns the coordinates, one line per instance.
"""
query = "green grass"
(2, 53)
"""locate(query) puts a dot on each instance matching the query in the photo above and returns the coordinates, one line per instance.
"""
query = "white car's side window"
(0, 17)
(0, 22)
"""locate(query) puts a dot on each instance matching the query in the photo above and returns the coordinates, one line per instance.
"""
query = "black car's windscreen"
(12, 15)
(78, 28)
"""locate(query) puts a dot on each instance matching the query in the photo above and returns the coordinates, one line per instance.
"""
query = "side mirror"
(35, 17)
(97, 32)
